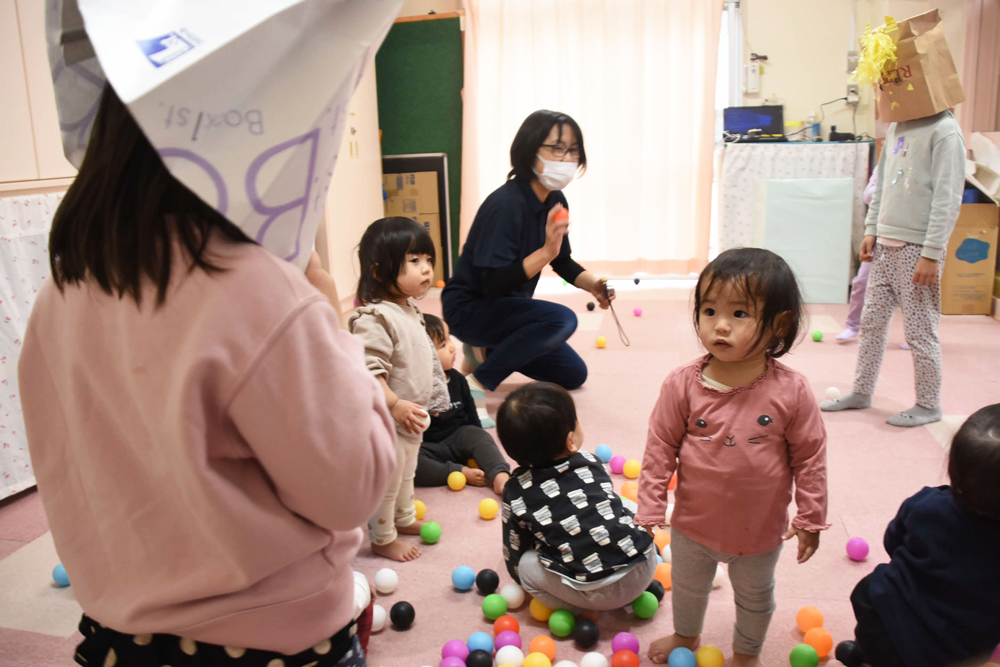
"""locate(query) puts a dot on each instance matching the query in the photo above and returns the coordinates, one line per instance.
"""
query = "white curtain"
(639, 77)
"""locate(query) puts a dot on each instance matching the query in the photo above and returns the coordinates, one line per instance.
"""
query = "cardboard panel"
(967, 281)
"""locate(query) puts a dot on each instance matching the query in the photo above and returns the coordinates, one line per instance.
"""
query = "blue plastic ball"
(659, 559)
(480, 641)
(603, 452)
(463, 577)
(682, 657)
(59, 575)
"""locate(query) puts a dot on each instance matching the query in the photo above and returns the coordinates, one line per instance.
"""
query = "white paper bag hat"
(245, 100)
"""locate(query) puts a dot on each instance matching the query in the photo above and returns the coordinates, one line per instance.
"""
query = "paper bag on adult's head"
(923, 81)
(245, 100)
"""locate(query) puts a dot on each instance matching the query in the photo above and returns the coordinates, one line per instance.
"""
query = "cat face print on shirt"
(703, 431)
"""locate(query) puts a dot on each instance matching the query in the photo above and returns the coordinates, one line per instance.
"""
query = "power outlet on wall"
(853, 94)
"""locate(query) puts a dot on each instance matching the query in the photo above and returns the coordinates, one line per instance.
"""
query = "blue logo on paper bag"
(973, 250)
(161, 50)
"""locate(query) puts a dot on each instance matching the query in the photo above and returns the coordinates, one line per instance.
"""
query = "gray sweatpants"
(551, 590)
(753, 589)
(437, 460)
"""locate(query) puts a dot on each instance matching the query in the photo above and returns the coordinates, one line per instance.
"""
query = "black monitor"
(768, 119)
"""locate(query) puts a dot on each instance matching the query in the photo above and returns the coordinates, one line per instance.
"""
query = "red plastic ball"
(505, 623)
(624, 659)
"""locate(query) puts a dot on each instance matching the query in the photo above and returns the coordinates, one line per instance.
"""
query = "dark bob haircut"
(534, 421)
(121, 216)
(435, 328)
(382, 253)
(532, 135)
(974, 463)
(764, 280)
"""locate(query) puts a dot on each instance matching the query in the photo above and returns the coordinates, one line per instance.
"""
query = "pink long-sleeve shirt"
(736, 454)
(206, 466)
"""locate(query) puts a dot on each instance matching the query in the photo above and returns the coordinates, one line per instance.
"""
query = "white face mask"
(557, 174)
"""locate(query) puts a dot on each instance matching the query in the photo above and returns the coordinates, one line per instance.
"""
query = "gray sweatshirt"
(921, 176)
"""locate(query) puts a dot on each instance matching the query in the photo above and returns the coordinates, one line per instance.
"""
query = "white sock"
(848, 334)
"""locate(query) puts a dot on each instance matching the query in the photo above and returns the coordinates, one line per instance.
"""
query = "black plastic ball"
(586, 634)
(487, 581)
(656, 588)
(636, 280)
(402, 615)
(850, 654)
(479, 658)
(590, 305)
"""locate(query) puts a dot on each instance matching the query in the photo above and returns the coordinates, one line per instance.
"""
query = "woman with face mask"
(517, 231)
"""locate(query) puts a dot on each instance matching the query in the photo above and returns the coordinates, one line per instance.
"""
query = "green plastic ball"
(494, 606)
(803, 655)
(817, 336)
(430, 532)
(645, 605)
(562, 623)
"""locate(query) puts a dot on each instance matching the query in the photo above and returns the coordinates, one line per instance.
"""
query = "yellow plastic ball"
(536, 660)
(710, 656)
(601, 341)
(488, 508)
(421, 509)
(632, 468)
(539, 612)
(456, 481)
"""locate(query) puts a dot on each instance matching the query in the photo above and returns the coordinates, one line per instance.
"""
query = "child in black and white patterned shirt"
(567, 538)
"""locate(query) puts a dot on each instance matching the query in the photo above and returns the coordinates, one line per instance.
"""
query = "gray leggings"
(753, 588)
(437, 460)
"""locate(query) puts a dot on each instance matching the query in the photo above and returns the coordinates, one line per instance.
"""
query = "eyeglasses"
(560, 152)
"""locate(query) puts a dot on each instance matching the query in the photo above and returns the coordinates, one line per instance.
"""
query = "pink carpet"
(872, 468)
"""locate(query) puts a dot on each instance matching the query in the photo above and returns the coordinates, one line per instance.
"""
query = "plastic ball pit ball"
(666, 554)
(624, 659)
(630, 490)
(456, 648)
(657, 589)
(645, 605)
(440, 284)
(421, 509)
(821, 640)
(488, 508)
(662, 575)
(832, 393)
(386, 580)
(487, 582)
(565, 663)
(850, 654)
(803, 655)
(379, 618)
(632, 468)
(857, 548)
(563, 214)
(513, 594)
(59, 576)
(809, 618)
(601, 342)
(510, 655)
(817, 336)
(682, 657)
(661, 538)
(480, 641)
(537, 660)
(539, 611)
(586, 634)
(456, 481)
(430, 532)
(637, 311)
(494, 606)
(710, 656)
(402, 614)
(593, 660)
(590, 305)
(505, 623)
(617, 464)
(544, 645)
(507, 638)
(672, 484)
(452, 662)
(603, 452)
(462, 577)
(625, 641)
(562, 623)
(479, 658)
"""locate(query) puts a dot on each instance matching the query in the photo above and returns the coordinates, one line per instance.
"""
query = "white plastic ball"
(720, 577)
(832, 393)
(593, 660)
(565, 663)
(386, 581)
(378, 618)
(666, 555)
(514, 595)
(510, 655)
(425, 422)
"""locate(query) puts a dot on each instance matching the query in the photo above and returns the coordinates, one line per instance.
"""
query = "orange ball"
(630, 490)
(505, 623)
(440, 284)
(809, 618)
(821, 640)
(661, 538)
(563, 214)
(624, 658)
(663, 575)
(673, 482)
(543, 644)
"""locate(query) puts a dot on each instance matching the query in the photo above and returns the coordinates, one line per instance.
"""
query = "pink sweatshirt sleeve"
(316, 420)
(667, 426)
(806, 438)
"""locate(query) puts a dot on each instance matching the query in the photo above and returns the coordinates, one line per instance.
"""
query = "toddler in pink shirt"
(739, 429)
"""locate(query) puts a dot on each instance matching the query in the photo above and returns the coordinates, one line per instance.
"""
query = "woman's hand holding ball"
(556, 228)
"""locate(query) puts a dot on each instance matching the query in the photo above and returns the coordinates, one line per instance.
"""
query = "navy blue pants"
(523, 335)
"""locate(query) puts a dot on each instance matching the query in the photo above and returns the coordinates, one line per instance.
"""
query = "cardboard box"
(967, 283)
(415, 195)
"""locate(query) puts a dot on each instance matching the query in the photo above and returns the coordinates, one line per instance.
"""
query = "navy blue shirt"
(509, 226)
(939, 597)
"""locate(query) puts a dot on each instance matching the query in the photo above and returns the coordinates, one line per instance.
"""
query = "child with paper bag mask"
(921, 175)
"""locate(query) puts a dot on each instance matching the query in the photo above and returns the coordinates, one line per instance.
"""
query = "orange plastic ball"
(539, 612)
(440, 284)
(663, 575)
(809, 618)
(563, 214)
(505, 623)
(661, 538)
(543, 644)
(624, 658)
(821, 640)
(673, 483)
(630, 490)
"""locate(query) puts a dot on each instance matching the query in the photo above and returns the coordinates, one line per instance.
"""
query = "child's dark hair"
(766, 281)
(382, 253)
(974, 463)
(530, 137)
(435, 329)
(534, 421)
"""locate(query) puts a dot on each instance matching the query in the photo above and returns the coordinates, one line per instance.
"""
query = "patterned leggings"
(891, 285)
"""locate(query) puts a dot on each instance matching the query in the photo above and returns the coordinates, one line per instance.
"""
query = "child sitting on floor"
(456, 435)
(567, 538)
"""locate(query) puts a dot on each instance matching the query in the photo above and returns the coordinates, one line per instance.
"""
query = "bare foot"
(474, 476)
(660, 650)
(397, 550)
(743, 660)
(499, 481)
(412, 529)
(590, 615)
